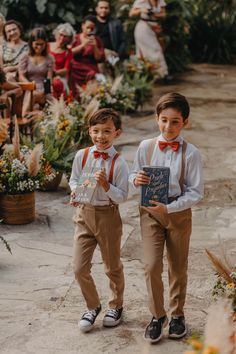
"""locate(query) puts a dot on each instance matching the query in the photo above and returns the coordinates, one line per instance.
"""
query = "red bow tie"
(103, 155)
(173, 144)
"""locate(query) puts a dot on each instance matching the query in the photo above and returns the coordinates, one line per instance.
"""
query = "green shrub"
(212, 33)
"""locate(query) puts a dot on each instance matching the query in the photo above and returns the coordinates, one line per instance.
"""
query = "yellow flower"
(210, 350)
(230, 285)
(196, 344)
(1, 163)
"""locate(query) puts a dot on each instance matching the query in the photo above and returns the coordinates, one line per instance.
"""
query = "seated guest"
(64, 36)
(7, 91)
(12, 49)
(37, 65)
(110, 31)
(87, 52)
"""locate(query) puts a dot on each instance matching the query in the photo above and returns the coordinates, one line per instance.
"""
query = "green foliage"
(213, 36)
(176, 34)
(222, 289)
(32, 13)
(140, 74)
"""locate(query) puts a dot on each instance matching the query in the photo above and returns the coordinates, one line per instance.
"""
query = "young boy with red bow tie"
(99, 223)
(169, 224)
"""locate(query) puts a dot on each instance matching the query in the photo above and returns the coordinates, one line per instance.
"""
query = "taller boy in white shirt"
(169, 224)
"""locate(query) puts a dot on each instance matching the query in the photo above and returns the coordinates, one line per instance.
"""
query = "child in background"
(169, 224)
(99, 223)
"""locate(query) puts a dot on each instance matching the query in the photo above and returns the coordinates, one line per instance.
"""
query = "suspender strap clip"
(111, 172)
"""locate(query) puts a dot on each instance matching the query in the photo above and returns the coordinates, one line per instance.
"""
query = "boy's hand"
(101, 179)
(159, 207)
(72, 202)
(141, 178)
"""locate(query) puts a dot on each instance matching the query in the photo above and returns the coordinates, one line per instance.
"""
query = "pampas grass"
(92, 107)
(57, 108)
(220, 328)
(116, 84)
(3, 131)
(34, 160)
(221, 268)
(16, 140)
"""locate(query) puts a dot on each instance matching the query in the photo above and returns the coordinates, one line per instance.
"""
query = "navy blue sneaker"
(154, 330)
(177, 327)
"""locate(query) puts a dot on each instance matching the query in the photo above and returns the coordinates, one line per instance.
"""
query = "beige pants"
(100, 225)
(174, 230)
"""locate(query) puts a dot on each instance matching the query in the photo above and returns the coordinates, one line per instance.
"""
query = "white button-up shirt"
(118, 190)
(193, 177)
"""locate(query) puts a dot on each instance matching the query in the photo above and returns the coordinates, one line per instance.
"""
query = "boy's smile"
(103, 134)
(170, 122)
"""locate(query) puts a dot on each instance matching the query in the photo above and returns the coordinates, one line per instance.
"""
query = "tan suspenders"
(184, 147)
(111, 173)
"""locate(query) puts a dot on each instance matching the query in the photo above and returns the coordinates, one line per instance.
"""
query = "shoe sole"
(161, 335)
(178, 336)
(110, 324)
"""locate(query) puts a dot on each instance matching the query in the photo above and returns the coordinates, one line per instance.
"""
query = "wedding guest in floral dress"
(37, 65)
(87, 52)
(145, 33)
(12, 49)
(64, 36)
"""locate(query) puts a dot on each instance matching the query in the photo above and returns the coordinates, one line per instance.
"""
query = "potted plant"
(20, 175)
(117, 95)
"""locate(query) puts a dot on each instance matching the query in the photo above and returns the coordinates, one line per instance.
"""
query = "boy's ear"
(118, 132)
(186, 123)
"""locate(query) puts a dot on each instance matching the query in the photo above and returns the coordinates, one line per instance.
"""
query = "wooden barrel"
(17, 209)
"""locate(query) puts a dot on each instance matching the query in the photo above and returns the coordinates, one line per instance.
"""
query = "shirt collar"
(111, 151)
(179, 139)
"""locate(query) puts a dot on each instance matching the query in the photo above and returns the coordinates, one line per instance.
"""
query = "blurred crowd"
(65, 65)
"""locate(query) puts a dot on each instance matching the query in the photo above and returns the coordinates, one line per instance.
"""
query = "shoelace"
(112, 313)
(90, 314)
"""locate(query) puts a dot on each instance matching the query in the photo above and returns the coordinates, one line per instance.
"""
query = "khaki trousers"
(100, 225)
(174, 230)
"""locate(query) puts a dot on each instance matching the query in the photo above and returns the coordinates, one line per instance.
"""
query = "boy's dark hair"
(176, 101)
(2, 76)
(102, 115)
(12, 22)
(35, 34)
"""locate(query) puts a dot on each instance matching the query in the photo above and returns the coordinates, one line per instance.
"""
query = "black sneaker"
(177, 327)
(87, 320)
(112, 318)
(154, 330)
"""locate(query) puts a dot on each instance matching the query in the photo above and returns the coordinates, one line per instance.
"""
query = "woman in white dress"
(145, 33)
